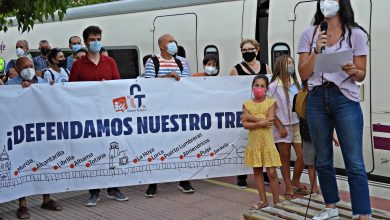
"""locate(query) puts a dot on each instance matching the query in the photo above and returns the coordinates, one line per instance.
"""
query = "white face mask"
(210, 70)
(27, 74)
(19, 52)
(329, 8)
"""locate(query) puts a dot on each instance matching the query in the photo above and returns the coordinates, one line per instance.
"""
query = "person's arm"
(307, 60)
(234, 72)
(26, 84)
(115, 72)
(171, 74)
(281, 130)
(249, 124)
(250, 118)
(149, 69)
(269, 71)
(357, 69)
(1, 82)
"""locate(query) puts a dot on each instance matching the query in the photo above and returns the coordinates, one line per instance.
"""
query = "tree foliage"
(27, 12)
(76, 3)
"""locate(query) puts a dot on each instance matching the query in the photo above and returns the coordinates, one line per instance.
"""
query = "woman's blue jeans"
(327, 108)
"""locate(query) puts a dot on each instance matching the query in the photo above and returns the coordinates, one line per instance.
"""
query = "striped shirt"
(166, 67)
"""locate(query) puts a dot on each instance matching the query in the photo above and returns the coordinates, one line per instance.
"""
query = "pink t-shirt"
(360, 47)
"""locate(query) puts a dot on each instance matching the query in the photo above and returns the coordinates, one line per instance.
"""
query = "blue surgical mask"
(76, 47)
(172, 48)
(95, 46)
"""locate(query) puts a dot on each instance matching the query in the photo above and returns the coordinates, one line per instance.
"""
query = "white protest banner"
(76, 136)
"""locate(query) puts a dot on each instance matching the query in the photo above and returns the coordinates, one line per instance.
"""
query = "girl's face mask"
(259, 92)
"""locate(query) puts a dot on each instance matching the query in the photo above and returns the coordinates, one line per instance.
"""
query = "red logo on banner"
(120, 104)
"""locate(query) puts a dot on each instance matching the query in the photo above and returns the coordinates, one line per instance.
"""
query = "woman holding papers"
(333, 102)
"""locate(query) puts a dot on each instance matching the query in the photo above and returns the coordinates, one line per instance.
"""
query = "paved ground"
(210, 201)
(214, 199)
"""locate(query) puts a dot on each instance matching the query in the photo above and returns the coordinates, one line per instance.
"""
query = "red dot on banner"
(71, 166)
(34, 169)
(135, 161)
(198, 155)
(150, 159)
(88, 164)
(55, 167)
(162, 158)
(16, 173)
(212, 154)
(181, 157)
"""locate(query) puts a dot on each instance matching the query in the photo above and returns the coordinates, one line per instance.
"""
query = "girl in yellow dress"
(258, 118)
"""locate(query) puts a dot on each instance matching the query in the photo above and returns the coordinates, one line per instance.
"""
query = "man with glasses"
(94, 67)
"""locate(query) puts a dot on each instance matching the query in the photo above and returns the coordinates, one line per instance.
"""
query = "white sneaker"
(327, 213)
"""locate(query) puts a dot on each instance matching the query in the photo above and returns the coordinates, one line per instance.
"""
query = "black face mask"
(45, 51)
(62, 63)
(249, 56)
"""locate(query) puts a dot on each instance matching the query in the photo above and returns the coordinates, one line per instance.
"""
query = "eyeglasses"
(246, 50)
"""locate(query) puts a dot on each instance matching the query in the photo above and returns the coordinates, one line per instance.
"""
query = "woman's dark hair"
(181, 51)
(261, 76)
(211, 57)
(52, 54)
(347, 19)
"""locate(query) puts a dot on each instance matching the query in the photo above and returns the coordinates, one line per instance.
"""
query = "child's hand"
(244, 117)
(266, 123)
(282, 132)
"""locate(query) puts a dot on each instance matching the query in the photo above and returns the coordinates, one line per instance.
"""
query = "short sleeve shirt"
(58, 76)
(85, 70)
(283, 103)
(166, 67)
(359, 44)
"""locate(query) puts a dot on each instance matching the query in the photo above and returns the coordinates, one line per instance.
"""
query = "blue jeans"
(328, 108)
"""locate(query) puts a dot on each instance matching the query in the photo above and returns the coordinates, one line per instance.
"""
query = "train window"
(126, 60)
(213, 50)
(279, 49)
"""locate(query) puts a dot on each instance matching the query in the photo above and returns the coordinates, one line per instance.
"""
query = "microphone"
(324, 27)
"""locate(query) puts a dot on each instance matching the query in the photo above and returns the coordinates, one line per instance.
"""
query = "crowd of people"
(274, 127)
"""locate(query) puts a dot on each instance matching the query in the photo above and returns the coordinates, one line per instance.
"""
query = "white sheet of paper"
(332, 62)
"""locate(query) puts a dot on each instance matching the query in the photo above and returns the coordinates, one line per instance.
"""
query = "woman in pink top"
(284, 86)
(333, 102)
